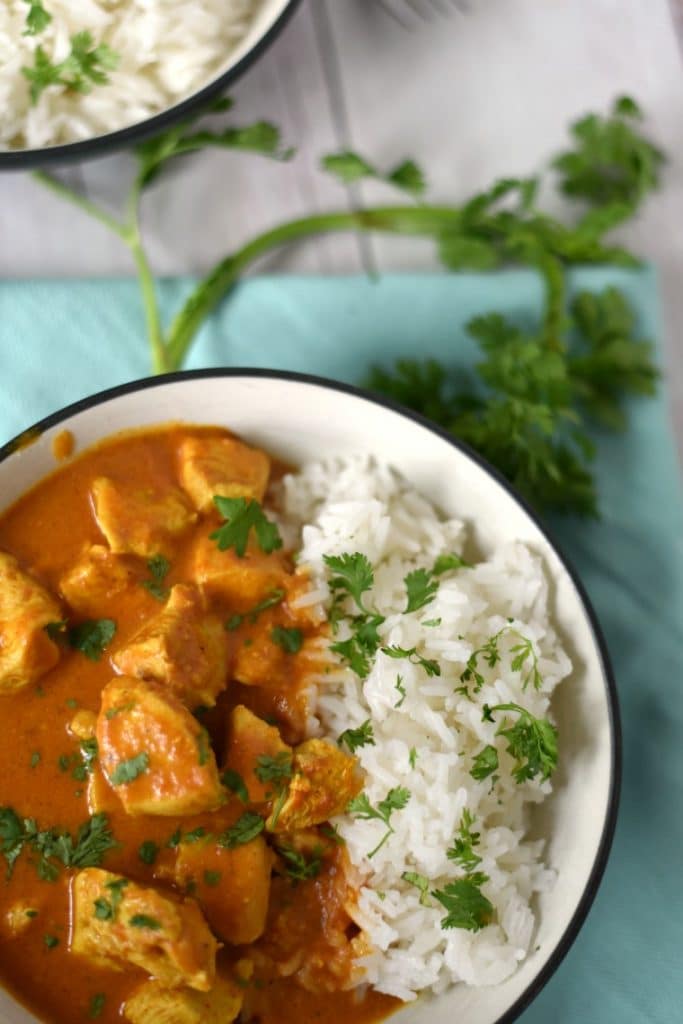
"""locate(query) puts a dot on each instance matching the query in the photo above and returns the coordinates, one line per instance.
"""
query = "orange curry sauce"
(308, 932)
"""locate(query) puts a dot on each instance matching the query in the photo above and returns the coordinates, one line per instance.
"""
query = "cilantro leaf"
(395, 800)
(298, 867)
(243, 831)
(159, 568)
(148, 851)
(446, 563)
(420, 882)
(233, 781)
(93, 840)
(485, 763)
(349, 167)
(466, 905)
(274, 769)
(462, 850)
(37, 18)
(241, 516)
(401, 690)
(352, 575)
(145, 921)
(490, 651)
(86, 65)
(97, 1004)
(431, 667)
(251, 616)
(420, 588)
(532, 742)
(92, 637)
(363, 736)
(212, 878)
(290, 640)
(128, 771)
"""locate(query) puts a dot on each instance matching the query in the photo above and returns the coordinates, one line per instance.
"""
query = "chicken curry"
(164, 815)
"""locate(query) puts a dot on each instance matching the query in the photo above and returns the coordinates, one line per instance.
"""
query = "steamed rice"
(355, 506)
(167, 49)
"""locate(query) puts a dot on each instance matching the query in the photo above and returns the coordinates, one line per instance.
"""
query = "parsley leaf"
(421, 589)
(233, 781)
(159, 568)
(395, 800)
(86, 65)
(466, 905)
(241, 516)
(363, 736)
(298, 867)
(128, 771)
(243, 831)
(531, 741)
(420, 882)
(431, 667)
(37, 18)
(485, 763)
(290, 640)
(462, 850)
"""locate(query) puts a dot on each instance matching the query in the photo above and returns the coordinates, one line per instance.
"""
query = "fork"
(409, 13)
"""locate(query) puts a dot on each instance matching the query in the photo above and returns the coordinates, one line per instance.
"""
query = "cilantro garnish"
(91, 637)
(113, 712)
(531, 741)
(236, 620)
(50, 941)
(400, 689)
(159, 568)
(35, 759)
(212, 878)
(485, 763)
(148, 851)
(349, 167)
(97, 1004)
(446, 563)
(37, 18)
(395, 800)
(241, 516)
(290, 640)
(352, 575)
(128, 771)
(274, 769)
(145, 921)
(298, 867)
(420, 882)
(233, 781)
(86, 65)
(412, 757)
(243, 831)
(203, 747)
(363, 736)
(489, 651)
(462, 850)
(431, 667)
(420, 588)
(466, 905)
(107, 910)
(92, 841)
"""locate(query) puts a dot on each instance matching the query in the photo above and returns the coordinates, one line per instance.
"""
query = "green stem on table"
(402, 220)
(84, 204)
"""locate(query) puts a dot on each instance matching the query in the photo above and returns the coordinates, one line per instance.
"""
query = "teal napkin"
(60, 341)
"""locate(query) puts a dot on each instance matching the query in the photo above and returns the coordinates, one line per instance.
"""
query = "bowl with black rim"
(268, 21)
(300, 418)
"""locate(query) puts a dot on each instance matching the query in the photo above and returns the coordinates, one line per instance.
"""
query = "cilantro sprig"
(525, 659)
(158, 568)
(395, 800)
(363, 736)
(37, 18)
(246, 828)
(462, 850)
(299, 867)
(87, 63)
(53, 846)
(465, 904)
(242, 516)
(431, 667)
(90, 637)
(532, 742)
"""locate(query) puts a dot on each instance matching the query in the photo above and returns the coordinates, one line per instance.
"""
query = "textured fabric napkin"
(60, 341)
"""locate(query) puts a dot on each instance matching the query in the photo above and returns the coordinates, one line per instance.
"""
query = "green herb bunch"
(528, 405)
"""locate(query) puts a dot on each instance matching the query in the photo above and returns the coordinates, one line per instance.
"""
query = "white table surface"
(471, 96)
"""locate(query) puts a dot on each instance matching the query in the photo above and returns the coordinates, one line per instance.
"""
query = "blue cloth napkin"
(60, 341)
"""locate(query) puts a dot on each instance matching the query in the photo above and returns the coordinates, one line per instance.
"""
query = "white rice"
(167, 49)
(354, 506)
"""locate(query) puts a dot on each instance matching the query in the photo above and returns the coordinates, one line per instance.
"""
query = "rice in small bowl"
(373, 482)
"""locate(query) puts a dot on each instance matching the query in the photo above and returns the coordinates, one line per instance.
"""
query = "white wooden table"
(471, 96)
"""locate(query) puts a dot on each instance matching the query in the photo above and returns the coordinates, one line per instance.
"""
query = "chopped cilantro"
(353, 576)
(420, 882)
(158, 568)
(431, 667)
(86, 64)
(92, 636)
(71, 702)
(412, 757)
(212, 878)
(233, 781)
(236, 620)
(31, 913)
(395, 800)
(298, 867)
(466, 905)
(241, 516)
(363, 736)
(194, 835)
(490, 652)
(445, 563)
(145, 921)
(107, 910)
(50, 941)
(35, 759)
(243, 831)
(203, 747)
(290, 640)
(485, 763)
(420, 588)
(401, 690)
(531, 741)
(128, 771)
(274, 769)
(113, 712)
(431, 622)
(462, 850)
(331, 832)
(37, 18)
(148, 851)
(174, 840)
(97, 1004)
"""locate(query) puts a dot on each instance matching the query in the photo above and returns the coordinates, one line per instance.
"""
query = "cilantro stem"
(85, 204)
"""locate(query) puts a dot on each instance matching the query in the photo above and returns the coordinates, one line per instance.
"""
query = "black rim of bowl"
(101, 145)
(609, 825)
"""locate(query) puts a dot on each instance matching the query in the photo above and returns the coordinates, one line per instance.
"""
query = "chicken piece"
(83, 724)
(250, 738)
(117, 922)
(26, 650)
(153, 752)
(19, 917)
(140, 521)
(183, 647)
(232, 886)
(154, 1004)
(95, 578)
(222, 466)
(261, 662)
(102, 799)
(323, 781)
(240, 582)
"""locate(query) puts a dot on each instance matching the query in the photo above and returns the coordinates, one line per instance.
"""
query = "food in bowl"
(270, 739)
(77, 69)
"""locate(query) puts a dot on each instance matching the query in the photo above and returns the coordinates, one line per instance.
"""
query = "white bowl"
(300, 418)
